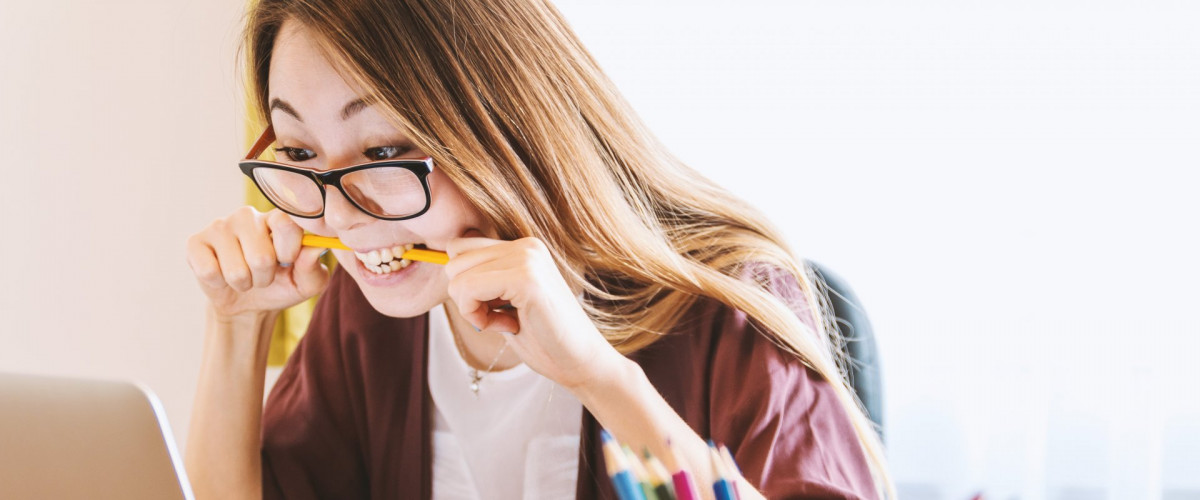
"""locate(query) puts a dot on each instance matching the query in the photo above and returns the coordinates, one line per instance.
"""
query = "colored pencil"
(732, 466)
(618, 469)
(639, 473)
(722, 488)
(685, 486)
(660, 479)
(418, 254)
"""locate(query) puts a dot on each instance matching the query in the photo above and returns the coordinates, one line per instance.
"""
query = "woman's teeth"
(386, 260)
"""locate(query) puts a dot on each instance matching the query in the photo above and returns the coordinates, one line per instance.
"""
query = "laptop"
(68, 438)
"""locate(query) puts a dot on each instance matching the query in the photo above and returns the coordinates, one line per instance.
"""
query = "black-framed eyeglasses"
(388, 190)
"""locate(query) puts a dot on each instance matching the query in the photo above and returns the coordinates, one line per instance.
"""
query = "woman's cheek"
(310, 225)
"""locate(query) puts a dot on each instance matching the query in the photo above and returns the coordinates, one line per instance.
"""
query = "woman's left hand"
(551, 332)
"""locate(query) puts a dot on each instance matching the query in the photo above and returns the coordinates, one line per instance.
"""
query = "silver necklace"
(474, 375)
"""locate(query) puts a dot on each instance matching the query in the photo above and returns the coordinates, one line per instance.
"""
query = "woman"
(594, 281)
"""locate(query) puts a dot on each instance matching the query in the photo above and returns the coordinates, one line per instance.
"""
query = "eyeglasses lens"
(386, 191)
(381, 191)
(290, 191)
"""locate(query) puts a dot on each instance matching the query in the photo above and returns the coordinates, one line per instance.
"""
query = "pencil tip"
(727, 456)
(715, 460)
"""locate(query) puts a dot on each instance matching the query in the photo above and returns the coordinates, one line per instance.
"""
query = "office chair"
(860, 344)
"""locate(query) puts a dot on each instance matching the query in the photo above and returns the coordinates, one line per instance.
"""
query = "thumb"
(309, 274)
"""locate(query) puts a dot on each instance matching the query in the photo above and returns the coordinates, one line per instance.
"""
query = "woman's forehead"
(303, 78)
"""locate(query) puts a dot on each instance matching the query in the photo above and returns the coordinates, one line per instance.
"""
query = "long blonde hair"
(514, 110)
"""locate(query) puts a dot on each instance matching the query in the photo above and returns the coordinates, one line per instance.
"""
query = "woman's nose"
(340, 214)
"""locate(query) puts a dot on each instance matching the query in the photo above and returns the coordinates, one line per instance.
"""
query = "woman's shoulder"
(709, 319)
(713, 339)
(786, 286)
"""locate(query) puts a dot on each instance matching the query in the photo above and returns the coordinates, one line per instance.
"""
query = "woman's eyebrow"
(348, 111)
(353, 107)
(282, 105)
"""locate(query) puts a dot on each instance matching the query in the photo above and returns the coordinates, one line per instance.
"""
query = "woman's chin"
(394, 310)
(399, 305)
(402, 294)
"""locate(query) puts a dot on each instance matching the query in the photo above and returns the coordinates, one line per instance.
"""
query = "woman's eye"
(296, 154)
(385, 152)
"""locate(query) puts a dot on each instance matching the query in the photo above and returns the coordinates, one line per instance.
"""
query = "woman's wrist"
(249, 321)
(243, 336)
(614, 373)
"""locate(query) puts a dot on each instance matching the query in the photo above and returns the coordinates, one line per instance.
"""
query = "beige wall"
(119, 133)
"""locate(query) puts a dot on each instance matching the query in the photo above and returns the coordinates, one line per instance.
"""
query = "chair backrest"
(861, 351)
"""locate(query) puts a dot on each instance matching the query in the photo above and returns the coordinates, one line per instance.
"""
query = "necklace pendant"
(475, 378)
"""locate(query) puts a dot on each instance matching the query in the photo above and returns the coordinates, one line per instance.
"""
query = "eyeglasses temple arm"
(264, 140)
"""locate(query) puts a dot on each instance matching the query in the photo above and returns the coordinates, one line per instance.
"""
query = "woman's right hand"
(252, 262)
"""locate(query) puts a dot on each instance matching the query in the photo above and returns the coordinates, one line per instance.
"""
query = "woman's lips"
(385, 255)
(390, 278)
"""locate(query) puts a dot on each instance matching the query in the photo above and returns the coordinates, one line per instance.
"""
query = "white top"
(518, 438)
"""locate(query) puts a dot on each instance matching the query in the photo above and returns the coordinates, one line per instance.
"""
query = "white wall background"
(1009, 187)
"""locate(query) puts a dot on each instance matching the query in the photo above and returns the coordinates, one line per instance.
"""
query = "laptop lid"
(72, 438)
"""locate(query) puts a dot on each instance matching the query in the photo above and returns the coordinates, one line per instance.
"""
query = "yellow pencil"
(419, 254)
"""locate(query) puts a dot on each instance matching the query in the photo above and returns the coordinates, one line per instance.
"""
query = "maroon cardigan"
(348, 417)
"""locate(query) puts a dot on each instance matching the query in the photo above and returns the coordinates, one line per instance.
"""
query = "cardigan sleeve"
(782, 421)
(310, 447)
